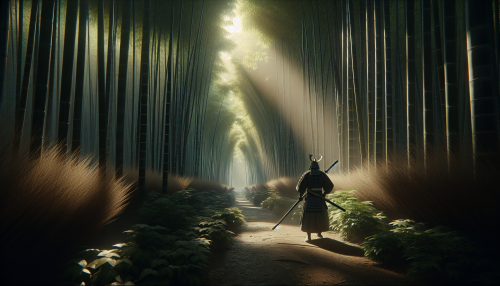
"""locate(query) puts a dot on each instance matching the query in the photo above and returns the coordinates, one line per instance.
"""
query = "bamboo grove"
(127, 82)
(137, 84)
(365, 80)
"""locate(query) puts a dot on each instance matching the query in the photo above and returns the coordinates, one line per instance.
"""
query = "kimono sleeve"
(327, 184)
(302, 184)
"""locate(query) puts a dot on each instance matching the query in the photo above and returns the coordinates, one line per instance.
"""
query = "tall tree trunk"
(410, 82)
(4, 42)
(450, 73)
(103, 114)
(21, 106)
(361, 95)
(144, 98)
(389, 134)
(80, 75)
(344, 96)
(438, 54)
(19, 78)
(482, 84)
(370, 79)
(351, 138)
(427, 95)
(70, 50)
(110, 72)
(170, 68)
(122, 85)
(42, 80)
(379, 83)
(356, 133)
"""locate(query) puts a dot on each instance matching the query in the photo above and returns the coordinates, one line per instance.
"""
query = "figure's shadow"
(337, 247)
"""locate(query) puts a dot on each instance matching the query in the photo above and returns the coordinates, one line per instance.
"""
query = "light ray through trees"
(156, 88)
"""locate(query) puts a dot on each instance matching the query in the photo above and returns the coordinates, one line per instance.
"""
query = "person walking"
(314, 211)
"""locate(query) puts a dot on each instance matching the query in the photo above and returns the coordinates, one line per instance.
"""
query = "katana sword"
(325, 199)
(331, 166)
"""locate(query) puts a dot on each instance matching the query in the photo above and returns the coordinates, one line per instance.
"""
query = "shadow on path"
(261, 256)
(338, 247)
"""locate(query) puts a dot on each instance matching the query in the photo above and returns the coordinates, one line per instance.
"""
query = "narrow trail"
(261, 256)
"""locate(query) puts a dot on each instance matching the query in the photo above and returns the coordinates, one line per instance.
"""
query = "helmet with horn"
(314, 163)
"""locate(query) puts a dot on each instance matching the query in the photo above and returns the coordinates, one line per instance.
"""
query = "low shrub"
(439, 253)
(188, 224)
(257, 196)
(277, 204)
(232, 216)
(152, 256)
(359, 220)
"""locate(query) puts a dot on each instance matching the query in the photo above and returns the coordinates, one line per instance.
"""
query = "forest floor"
(261, 256)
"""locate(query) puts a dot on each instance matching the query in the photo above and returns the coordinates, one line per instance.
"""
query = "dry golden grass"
(433, 195)
(179, 183)
(285, 186)
(50, 205)
(55, 194)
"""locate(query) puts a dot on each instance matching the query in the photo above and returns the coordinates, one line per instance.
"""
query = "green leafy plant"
(360, 219)
(277, 204)
(232, 216)
(257, 196)
(389, 246)
(174, 251)
(215, 231)
(439, 253)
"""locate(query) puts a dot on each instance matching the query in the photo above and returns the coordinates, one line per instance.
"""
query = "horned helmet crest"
(314, 162)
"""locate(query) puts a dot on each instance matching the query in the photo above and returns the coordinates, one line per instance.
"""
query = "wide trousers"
(315, 221)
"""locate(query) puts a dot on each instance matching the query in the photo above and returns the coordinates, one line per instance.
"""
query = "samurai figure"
(314, 211)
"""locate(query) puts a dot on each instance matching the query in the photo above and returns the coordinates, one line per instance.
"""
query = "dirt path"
(264, 257)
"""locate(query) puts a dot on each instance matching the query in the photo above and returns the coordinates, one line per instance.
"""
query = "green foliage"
(232, 216)
(277, 204)
(297, 213)
(174, 251)
(158, 210)
(359, 220)
(216, 232)
(257, 196)
(437, 253)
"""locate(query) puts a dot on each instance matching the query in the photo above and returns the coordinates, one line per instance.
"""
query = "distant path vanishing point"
(261, 256)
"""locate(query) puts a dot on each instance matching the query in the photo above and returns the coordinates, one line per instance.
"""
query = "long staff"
(289, 211)
(305, 193)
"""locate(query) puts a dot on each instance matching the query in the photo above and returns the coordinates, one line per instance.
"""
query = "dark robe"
(314, 211)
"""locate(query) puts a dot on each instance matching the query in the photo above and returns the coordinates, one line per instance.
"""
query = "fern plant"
(232, 216)
(360, 219)
(439, 253)
(174, 251)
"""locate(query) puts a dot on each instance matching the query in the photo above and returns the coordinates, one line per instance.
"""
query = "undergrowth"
(172, 245)
(257, 195)
(280, 205)
(360, 219)
(438, 254)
